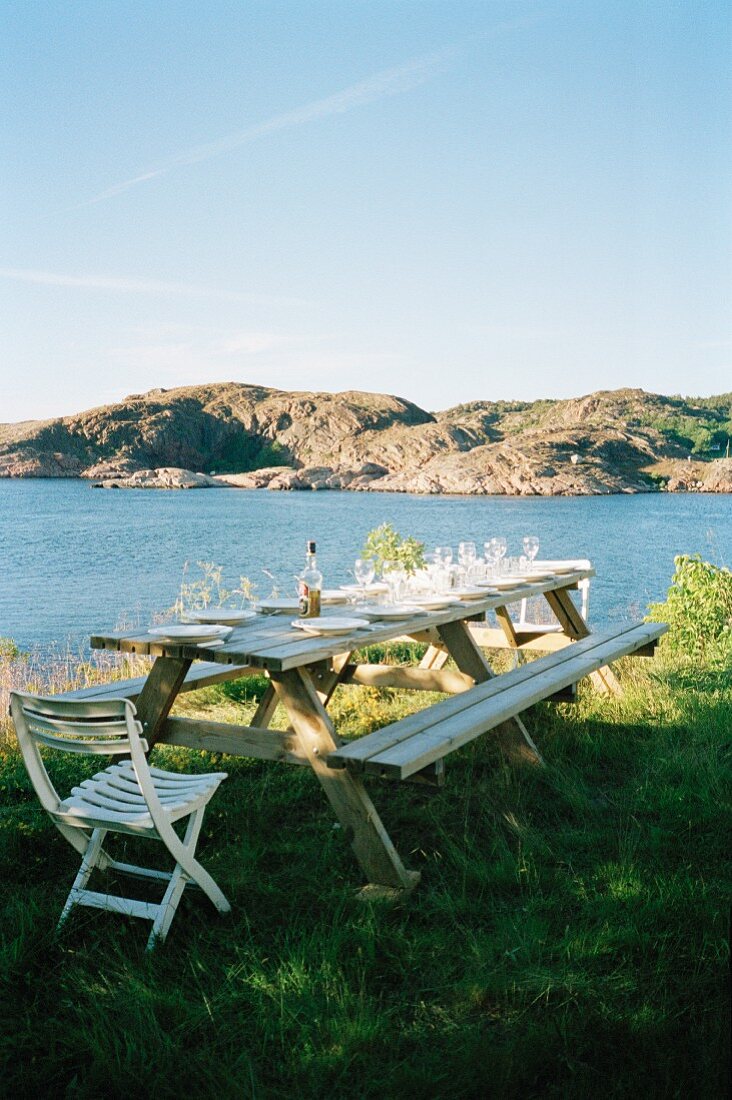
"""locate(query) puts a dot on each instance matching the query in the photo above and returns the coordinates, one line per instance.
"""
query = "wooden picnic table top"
(270, 642)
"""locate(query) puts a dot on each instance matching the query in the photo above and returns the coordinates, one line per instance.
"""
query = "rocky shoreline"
(371, 478)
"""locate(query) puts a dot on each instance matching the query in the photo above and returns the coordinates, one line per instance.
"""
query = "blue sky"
(446, 199)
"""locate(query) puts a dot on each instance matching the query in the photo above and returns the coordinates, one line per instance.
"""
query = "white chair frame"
(552, 628)
(128, 797)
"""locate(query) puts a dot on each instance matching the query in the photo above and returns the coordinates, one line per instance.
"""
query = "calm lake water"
(75, 560)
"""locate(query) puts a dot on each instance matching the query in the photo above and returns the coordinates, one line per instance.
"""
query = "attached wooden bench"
(406, 747)
(201, 674)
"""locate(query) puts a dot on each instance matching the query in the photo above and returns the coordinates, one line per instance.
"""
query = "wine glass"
(531, 547)
(363, 571)
(394, 575)
(444, 554)
(498, 547)
(466, 557)
(501, 549)
(491, 558)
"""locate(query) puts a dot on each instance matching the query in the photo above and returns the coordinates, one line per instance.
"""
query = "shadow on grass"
(569, 934)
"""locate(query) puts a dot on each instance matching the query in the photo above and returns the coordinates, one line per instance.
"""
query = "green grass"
(569, 936)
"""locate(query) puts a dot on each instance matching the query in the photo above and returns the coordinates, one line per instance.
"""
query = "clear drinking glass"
(466, 557)
(394, 576)
(491, 558)
(531, 546)
(497, 547)
(501, 549)
(444, 554)
(363, 571)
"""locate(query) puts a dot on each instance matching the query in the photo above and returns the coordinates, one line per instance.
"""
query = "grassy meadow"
(569, 936)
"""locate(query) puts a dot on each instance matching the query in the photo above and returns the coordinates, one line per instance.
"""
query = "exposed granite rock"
(606, 442)
(168, 477)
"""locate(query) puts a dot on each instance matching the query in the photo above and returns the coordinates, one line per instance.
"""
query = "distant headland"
(229, 433)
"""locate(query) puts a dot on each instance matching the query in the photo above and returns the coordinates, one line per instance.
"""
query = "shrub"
(698, 607)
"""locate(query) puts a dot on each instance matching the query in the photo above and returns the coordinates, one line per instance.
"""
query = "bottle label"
(309, 601)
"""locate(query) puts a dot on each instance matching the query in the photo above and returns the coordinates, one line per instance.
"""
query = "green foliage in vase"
(698, 607)
(385, 544)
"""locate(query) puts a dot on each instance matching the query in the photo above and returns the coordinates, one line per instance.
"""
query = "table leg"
(574, 626)
(158, 694)
(513, 736)
(347, 795)
(434, 658)
(327, 679)
(266, 707)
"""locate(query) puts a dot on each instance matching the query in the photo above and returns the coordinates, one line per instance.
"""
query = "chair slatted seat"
(127, 797)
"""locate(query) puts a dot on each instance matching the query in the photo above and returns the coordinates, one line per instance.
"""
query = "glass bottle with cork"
(310, 585)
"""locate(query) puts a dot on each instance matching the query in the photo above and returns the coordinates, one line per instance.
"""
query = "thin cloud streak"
(140, 286)
(381, 85)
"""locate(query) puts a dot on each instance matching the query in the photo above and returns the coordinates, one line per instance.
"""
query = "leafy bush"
(698, 607)
(385, 544)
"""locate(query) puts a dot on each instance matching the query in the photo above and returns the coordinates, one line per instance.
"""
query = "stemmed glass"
(497, 547)
(466, 557)
(364, 571)
(394, 575)
(531, 547)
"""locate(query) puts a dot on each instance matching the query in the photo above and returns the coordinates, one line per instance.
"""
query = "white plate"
(469, 593)
(370, 589)
(487, 587)
(393, 611)
(328, 625)
(504, 583)
(278, 605)
(193, 634)
(535, 575)
(223, 615)
(434, 603)
(559, 566)
(333, 595)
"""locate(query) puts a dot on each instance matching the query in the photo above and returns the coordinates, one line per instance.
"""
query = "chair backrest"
(103, 727)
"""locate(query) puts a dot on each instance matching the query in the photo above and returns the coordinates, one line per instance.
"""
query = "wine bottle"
(310, 585)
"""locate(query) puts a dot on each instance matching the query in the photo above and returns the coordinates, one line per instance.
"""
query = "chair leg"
(187, 870)
(193, 869)
(89, 862)
(167, 908)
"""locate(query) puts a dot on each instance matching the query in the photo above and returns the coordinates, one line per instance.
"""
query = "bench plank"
(414, 742)
(201, 674)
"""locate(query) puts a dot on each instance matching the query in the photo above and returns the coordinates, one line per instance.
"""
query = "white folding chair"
(583, 586)
(127, 797)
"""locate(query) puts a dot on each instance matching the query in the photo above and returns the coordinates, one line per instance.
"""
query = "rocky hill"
(605, 442)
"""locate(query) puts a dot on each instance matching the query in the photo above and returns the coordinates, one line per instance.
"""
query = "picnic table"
(304, 671)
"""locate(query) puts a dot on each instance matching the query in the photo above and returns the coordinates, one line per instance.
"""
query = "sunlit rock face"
(622, 441)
